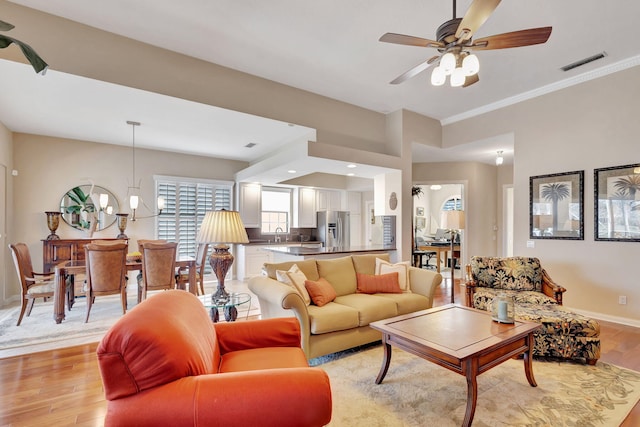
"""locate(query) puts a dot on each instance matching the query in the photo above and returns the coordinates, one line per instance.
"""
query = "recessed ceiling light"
(351, 166)
(436, 187)
(351, 174)
(292, 171)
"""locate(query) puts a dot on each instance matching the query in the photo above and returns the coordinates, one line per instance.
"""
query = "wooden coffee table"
(461, 339)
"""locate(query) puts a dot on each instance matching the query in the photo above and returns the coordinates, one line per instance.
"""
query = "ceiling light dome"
(448, 63)
(470, 65)
(457, 77)
(438, 76)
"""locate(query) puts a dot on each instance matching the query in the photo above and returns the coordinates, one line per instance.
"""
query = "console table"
(56, 251)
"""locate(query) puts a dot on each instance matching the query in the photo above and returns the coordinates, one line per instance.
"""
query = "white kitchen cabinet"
(305, 216)
(328, 200)
(250, 202)
(250, 260)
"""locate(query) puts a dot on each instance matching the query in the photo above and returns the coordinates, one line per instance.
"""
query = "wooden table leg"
(385, 361)
(59, 295)
(193, 283)
(472, 390)
(528, 359)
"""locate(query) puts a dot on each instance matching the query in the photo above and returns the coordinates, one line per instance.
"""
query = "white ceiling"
(329, 47)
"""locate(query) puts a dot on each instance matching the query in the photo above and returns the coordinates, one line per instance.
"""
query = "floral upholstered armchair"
(564, 333)
(522, 278)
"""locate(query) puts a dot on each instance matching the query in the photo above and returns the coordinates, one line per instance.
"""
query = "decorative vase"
(502, 309)
(122, 225)
(53, 221)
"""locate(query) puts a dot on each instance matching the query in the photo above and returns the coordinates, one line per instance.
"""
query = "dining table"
(440, 249)
(72, 268)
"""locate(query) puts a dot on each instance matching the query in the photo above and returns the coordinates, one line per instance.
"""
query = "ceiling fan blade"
(514, 39)
(409, 40)
(476, 15)
(469, 80)
(415, 70)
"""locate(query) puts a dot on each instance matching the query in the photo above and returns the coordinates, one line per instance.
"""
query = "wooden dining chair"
(34, 285)
(106, 268)
(182, 277)
(158, 267)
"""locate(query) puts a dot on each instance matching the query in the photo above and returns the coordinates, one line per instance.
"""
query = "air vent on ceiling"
(584, 61)
(251, 145)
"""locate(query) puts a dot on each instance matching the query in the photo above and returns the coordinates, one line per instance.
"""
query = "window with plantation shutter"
(186, 203)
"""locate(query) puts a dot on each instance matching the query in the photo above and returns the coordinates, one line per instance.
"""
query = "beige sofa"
(343, 323)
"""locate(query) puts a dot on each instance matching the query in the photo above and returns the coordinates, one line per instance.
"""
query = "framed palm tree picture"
(556, 206)
(617, 203)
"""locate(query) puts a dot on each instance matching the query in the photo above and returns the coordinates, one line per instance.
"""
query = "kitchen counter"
(297, 253)
(282, 243)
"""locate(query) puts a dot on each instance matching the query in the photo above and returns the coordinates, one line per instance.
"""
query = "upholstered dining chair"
(106, 267)
(158, 267)
(182, 278)
(34, 285)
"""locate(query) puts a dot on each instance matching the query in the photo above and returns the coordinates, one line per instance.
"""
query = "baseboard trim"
(608, 318)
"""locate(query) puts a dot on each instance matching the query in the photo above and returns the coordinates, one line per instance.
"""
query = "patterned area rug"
(419, 393)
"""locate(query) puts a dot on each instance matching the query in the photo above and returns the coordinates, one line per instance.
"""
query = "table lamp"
(222, 227)
(452, 221)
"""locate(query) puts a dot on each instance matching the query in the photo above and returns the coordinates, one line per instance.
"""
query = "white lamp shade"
(222, 227)
(104, 200)
(452, 220)
(457, 77)
(448, 63)
(438, 76)
(470, 65)
(133, 202)
(161, 203)
(499, 160)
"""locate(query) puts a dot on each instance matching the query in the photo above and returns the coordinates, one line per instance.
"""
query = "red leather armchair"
(165, 363)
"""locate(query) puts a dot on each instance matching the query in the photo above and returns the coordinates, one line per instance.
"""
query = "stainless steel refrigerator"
(333, 228)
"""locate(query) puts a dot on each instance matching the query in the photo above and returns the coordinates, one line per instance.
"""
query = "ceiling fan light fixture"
(448, 63)
(457, 77)
(438, 76)
(470, 65)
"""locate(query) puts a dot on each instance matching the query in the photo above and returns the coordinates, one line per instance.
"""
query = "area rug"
(419, 393)
(39, 331)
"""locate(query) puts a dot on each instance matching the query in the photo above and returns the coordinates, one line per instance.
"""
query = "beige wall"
(588, 126)
(49, 167)
(6, 264)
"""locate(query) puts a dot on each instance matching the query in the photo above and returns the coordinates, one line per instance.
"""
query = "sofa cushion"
(408, 302)
(295, 278)
(307, 266)
(512, 273)
(340, 273)
(380, 283)
(332, 317)
(370, 307)
(402, 268)
(482, 297)
(320, 291)
(366, 263)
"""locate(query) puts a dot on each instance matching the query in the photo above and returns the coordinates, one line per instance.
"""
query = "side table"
(229, 307)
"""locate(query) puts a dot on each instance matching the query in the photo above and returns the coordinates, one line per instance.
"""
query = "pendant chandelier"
(133, 191)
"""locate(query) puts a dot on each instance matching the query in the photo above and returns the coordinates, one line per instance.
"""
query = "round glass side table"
(230, 307)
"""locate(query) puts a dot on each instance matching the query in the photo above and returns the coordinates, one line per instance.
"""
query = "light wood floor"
(63, 387)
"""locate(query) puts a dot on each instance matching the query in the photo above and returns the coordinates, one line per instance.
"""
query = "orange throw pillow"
(379, 283)
(321, 291)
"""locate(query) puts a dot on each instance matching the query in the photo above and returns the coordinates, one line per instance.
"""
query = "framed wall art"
(556, 206)
(617, 203)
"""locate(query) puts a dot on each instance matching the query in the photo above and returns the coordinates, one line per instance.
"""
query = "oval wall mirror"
(85, 205)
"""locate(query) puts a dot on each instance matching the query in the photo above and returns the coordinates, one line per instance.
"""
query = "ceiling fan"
(455, 43)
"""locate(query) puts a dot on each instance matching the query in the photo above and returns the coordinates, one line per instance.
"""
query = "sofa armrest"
(279, 300)
(273, 397)
(278, 332)
(469, 286)
(424, 282)
(550, 288)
